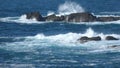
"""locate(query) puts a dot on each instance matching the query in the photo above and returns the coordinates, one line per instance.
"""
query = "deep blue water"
(32, 44)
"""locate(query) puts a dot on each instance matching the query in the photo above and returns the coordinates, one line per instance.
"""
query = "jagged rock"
(111, 38)
(55, 18)
(107, 19)
(74, 17)
(35, 15)
(86, 39)
(80, 17)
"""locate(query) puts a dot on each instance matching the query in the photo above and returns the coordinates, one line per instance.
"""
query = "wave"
(21, 19)
(30, 43)
(70, 7)
(72, 37)
(67, 8)
(107, 15)
(64, 9)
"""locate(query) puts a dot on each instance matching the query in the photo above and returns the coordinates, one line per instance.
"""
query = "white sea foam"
(64, 9)
(21, 19)
(50, 13)
(69, 7)
(69, 39)
(107, 15)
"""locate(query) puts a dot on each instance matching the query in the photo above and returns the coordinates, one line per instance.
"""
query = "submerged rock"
(111, 38)
(35, 15)
(86, 39)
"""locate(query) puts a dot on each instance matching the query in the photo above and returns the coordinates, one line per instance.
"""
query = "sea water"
(32, 44)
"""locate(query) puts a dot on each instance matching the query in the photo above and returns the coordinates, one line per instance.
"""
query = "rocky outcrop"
(111, 38)
(55, 18)
(107, 19)
(74, 17)
(35, 15)
(80, 17)
(86, 39)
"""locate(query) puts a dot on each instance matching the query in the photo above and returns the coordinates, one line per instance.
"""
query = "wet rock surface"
(86, 39)
(111, 38)
(98, 38)
(35, 15)
(74, 17)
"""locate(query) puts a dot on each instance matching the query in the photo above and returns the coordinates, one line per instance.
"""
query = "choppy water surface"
(32, 44)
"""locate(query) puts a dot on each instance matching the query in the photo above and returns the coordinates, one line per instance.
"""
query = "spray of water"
(69, 7)
(90, 32)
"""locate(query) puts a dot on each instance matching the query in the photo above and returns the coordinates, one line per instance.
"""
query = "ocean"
(32, 44)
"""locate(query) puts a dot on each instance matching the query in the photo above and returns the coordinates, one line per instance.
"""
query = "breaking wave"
(67, 8)
(30, 43)
(21, 19)
(64, 9)
(70, 7)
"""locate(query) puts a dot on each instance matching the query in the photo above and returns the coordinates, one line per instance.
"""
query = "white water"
(21, 19)
(69, 39)
(50, 13)
(67, 8)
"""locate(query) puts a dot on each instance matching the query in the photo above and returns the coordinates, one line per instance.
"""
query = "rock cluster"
(35, 15)
(74, 17)
(98, 38)
(86, 39)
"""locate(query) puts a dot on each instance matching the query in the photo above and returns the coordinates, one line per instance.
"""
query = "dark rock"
(86, 39)
(35, 15)
(107, 19)
(74, 17)
(95, 38)
(80, 17)
(111, 38)
(114, 46)
(83, 39)
(54, 18)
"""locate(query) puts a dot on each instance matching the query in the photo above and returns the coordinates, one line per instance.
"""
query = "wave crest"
(70, 7)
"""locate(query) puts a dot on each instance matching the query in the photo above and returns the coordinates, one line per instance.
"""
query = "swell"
(39, 41)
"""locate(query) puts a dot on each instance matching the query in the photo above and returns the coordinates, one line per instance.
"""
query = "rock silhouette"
(35, 15)
(74, 17)
(111, 38)
(98, 38)
(86, 39)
